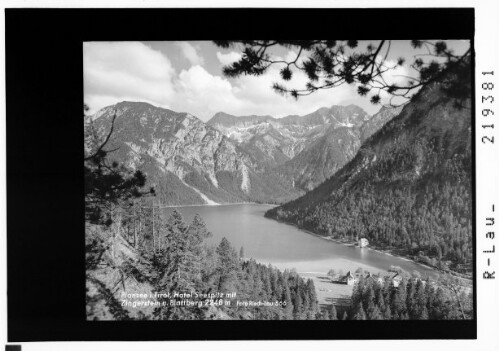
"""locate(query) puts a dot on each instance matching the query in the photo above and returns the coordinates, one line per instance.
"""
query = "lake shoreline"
(218, 205)
(245, 225)
(388, 252)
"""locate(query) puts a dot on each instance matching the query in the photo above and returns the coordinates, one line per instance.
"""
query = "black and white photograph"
(278, 180)
(261, 176)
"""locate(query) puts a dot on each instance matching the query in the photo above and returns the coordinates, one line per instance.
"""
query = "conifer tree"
(286, 297)
(181, 259)
(227, 264)
(398, 303)
(420, 309)
(325, 315)
(179, 269)
(333, 315)
(305, 298)
(387, 314)
(375, 314)
(380, 301)
(424, 313)
(331, 63)
(274, 284)
(368, 298)
(359, 313)
(312, 295)
(197, 233)
(438, 306)
(410, 298)
(297, 306)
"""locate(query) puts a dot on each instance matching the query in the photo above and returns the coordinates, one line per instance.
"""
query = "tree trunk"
(115, 233)
(134, 225)
(140, 220)
(153, 234)
(458, 301)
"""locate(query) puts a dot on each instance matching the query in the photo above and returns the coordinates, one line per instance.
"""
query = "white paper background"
(487, 181)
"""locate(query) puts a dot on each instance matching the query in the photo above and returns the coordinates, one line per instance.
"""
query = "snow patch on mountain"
(342, 124)
(235, 135)
(245, 184)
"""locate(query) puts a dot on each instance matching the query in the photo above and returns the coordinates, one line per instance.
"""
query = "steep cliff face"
(337, 116)
(267, 138)
(322, 158)
(338, 144)
(234, 159)
(224, 121)
(304, 150)
(288, 135)
(186, 160)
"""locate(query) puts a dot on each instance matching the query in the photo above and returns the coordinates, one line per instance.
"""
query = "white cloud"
(125, 71)
(397, 75)
(190, 53)
(202, 94)
(114, 72)
(227, 59)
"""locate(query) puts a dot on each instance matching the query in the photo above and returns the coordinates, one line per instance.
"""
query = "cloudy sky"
(187, 77)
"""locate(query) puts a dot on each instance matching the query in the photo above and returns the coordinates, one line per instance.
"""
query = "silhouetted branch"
(99, 149)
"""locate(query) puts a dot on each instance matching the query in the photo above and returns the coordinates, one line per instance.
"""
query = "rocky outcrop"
(384, 115)
(209, 167)
(304, 150)
(322, 158)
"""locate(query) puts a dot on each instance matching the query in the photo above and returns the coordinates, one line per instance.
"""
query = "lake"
(285, 246)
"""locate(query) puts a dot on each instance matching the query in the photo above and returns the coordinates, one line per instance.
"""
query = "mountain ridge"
(266, 160)
(187, 160)
(304, 150)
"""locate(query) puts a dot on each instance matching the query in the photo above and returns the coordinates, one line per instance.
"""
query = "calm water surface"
(286, 246)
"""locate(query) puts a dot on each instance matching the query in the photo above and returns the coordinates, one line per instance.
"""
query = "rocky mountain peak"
(187, 160)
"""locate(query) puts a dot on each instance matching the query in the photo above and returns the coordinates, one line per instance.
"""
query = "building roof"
(348, 275)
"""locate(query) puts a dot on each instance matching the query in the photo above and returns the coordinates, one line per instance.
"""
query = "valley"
(322, 163)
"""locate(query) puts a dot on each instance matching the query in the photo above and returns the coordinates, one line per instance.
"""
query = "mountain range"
(304, 150)
(187, 161)
(233, 159)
